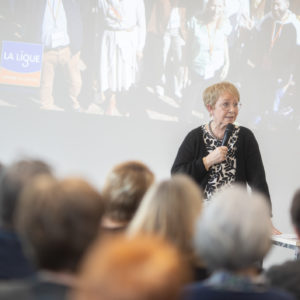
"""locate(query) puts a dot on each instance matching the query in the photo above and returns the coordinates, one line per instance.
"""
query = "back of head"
(14, 179)
(234, 231)
(170, 209)
(58, 220)
(295, 211)
(124, 188)
(142, 268)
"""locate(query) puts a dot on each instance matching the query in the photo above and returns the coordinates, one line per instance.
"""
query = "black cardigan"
(249, 169)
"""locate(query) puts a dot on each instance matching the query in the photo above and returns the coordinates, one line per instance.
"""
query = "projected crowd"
(153, 58)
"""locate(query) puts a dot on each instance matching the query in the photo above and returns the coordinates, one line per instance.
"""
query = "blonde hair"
(170, 209)
(212, 93)
(139, 268)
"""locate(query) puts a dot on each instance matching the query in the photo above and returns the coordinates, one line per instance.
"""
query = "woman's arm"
(189, 159)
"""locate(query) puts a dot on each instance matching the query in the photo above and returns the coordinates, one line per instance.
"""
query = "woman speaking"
(213, 165)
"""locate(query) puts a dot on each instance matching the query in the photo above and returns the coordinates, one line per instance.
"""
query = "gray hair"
(234, 231)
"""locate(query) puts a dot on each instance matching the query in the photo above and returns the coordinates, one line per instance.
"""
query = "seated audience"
(232, 234)
(285, 276)
(13, 263)
(170, 209)
(141, 268)
(57, 222)
(122, 192)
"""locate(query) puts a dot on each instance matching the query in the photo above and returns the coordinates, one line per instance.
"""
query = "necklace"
(211, 132)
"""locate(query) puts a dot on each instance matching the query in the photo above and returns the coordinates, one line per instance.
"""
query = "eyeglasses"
(226, 106)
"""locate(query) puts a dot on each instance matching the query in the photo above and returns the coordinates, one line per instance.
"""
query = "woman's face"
(215, 8)
(225, 110)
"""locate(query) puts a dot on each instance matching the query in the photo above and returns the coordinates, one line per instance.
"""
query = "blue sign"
(21, 57)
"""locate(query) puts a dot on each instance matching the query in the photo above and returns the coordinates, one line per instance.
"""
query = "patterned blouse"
(223, 173)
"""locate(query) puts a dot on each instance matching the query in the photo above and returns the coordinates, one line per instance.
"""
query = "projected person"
(57, 25)
(168, 23)
(278, 37)
(207, 49)
(208, 34)
(244, 19)
(122, 46)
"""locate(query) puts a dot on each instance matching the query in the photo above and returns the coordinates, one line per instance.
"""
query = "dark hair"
(295, 210)
(14, 179)
(58, 220)
(124, 189)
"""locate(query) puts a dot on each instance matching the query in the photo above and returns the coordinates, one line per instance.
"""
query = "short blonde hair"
(212, 93)
(170, 209)
(141, 268)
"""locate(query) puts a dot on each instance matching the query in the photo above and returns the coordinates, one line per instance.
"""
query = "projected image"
(151, 58)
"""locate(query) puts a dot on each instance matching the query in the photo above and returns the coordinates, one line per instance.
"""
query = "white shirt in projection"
(208, 52)
(55, 29)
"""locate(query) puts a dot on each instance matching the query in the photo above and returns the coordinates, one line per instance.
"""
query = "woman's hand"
(215, 157)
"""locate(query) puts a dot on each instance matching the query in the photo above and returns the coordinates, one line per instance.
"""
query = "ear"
(209, 108)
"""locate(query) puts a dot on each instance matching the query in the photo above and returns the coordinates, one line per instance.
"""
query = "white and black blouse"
(223, 173)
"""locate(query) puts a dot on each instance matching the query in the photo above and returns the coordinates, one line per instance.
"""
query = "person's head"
(295, 211)
(141, 268)
(214, 9)
(57, 221)
(124, 189)
(233, 233)
(15, 177)
(170, 209)
(222, 101)
(280, 9)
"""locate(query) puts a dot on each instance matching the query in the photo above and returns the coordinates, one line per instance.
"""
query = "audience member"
(122, 193)
(142, 268)
(13, 263)
(57, 221)
(285, 276)
(170, 209)
(233, 234)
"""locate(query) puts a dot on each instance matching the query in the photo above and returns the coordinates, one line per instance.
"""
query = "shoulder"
(195, 133)
(199, 290)
(246, 132)
(194, 22)
(284, 272)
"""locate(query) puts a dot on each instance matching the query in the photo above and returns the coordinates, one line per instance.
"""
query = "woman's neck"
(217, 130)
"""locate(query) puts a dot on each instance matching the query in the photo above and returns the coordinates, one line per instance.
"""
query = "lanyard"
(211, 40)
(54, 15)
(276, 35)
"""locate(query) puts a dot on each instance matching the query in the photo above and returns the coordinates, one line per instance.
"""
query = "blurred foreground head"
(141, 268)
(295, 211)
(170, 209)
(124, 189)
(13, 180)
(234, 232)
(57, 221)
